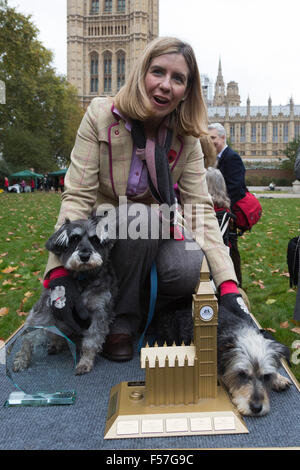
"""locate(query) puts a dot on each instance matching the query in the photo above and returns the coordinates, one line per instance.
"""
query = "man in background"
(233, 170)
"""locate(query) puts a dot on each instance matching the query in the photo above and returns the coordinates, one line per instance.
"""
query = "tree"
(42, 110)
(290, 152)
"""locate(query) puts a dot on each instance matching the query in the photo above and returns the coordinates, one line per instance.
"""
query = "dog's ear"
(226, 343)
(105, 232)
(59, 241)
(282, 350)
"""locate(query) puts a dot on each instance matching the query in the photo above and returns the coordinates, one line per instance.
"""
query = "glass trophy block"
(40, 362)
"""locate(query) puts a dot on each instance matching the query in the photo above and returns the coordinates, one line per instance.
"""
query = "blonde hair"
(209, 150)
(217, 188)
(190, 117)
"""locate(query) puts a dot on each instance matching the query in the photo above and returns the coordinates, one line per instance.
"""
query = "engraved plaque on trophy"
(40, 362)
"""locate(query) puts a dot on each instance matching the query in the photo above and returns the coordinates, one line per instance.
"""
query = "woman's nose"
(165, 83)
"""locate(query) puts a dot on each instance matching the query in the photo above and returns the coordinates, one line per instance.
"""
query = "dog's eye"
(75, 238)
(242, 375)
(94, 239)
(267, 377)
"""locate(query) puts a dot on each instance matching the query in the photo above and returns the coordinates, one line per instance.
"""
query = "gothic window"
(285, 133)
(94, 7)
(107, 72)
(253, 133)
(242, 133)
(94, 73)
(120, 69)
(275, 132)
(108, 6)
(264, 133)
(232, 133)
(121, 5)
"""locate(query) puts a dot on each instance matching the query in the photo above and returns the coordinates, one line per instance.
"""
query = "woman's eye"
(179, 79)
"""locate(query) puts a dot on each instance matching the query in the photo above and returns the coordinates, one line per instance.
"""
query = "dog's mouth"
(84, 263)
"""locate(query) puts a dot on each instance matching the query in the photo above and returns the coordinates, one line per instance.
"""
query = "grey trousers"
(178, 264)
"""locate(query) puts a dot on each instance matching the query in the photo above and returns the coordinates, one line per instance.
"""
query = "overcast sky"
(258, 41)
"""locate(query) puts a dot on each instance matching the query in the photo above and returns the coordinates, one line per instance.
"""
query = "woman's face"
(166, 83)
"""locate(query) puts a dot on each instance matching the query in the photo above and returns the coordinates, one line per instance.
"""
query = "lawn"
(27, 220)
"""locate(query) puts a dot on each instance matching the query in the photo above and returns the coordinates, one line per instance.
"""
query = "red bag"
(248, 211)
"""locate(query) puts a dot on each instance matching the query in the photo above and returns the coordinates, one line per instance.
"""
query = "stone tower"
(105, 37)
(233, 97)
(219, 97)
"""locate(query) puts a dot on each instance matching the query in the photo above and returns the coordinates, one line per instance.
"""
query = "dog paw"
(20, 363)
(83, 368)
(281, 383)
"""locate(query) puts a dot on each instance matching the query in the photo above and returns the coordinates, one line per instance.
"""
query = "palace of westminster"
(105, 37)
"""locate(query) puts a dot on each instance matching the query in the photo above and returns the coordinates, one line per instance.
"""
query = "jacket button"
(117, 132)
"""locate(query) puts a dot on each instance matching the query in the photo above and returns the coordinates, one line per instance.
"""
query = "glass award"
(40, 362)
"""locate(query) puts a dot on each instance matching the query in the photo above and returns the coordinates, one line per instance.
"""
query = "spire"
(219, 98)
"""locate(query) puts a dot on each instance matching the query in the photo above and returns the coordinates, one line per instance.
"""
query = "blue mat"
(81, 426)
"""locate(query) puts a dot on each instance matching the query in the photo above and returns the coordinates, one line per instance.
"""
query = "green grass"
(265, 272)
(27, 220)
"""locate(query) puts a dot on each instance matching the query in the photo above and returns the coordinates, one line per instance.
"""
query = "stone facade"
(255, 132)
(105, 37)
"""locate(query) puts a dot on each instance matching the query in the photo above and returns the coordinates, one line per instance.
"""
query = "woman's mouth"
(160, 100)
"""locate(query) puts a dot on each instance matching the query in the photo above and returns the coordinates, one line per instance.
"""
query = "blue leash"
(153, 296)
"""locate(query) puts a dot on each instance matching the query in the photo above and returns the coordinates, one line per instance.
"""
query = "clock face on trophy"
(206, 313)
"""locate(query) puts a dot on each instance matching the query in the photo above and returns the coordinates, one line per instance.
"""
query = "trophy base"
(41, 398)
(129, 416)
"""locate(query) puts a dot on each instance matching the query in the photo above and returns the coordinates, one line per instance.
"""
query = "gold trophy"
(181, 394)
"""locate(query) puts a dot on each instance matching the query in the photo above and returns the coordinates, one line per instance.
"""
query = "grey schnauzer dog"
(83, 248)
(248, 362)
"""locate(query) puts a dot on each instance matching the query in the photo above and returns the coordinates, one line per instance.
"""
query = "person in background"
(233, 170)
(297, 306)
(6, 184)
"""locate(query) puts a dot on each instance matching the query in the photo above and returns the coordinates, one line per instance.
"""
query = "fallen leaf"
(296, 330)
(270, 301)
(271, 330)
(28, 294)
(284, 324)
(4, 311)
(10, 269)
(21, 314)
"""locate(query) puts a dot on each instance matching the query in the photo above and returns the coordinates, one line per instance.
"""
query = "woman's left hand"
(234, 303)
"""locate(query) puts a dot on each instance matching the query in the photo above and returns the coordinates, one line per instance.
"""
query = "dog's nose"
(84, 257)
(255, 407)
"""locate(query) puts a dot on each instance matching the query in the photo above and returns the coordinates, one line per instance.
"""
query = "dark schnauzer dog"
(83, 248)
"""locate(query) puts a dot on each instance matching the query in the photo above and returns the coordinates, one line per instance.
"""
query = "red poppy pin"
(171, 156)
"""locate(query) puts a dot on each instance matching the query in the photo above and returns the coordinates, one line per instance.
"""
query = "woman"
(138, 145)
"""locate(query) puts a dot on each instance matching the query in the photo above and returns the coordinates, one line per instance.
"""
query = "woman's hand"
(231, 299)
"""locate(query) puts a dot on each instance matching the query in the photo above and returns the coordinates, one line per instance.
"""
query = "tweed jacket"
(99, 170)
